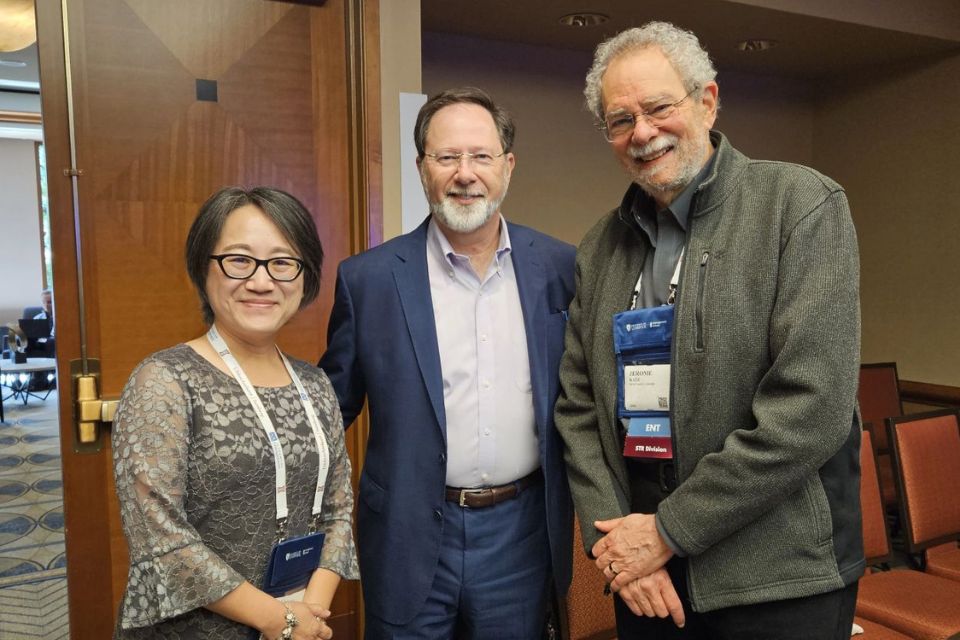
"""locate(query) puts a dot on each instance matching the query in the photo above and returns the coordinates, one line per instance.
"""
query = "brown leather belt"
(489, 496)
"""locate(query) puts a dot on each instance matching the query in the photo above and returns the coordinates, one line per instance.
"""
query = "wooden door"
(153, 105)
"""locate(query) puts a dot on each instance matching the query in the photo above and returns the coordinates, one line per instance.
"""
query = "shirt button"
(484, 477)
(483, 337)
(438, 515)
(450, 273)
(443, 457)
(486, 384)
(486, 432)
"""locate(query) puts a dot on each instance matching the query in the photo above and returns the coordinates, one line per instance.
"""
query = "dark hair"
(469, 95)
(285, 211)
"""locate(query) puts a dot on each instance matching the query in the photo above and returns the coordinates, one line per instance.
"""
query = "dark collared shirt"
(667, 231)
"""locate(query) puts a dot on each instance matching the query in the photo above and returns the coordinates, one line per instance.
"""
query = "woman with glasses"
(229, 457)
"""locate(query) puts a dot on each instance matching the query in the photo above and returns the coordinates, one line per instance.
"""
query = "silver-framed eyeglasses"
(239, 266)
(447, 158)
(618, 124)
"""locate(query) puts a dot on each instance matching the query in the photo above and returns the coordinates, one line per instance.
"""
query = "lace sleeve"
(172, 571)
(339, 554)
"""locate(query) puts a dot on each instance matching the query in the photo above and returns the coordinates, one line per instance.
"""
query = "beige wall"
(566, 177)
(767, 117)
(399, 73)
(894, 142)
(20, 254)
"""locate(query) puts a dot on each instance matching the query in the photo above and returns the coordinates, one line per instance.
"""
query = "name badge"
(292, 562)
(648, 437)
(646, 387)
(642, 339)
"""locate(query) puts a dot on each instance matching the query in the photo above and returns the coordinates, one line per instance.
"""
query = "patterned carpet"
(33, 584)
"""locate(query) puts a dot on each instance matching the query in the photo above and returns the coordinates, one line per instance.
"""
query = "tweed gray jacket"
(765, 360)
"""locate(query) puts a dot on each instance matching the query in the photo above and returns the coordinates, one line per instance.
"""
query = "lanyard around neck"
(674, 282)
(217, 342)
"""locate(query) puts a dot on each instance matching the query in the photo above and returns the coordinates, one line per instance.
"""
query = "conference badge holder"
(292, 562)
(642, 339)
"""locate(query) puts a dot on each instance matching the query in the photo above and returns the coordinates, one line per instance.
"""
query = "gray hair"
(681, 47)
(284, 210)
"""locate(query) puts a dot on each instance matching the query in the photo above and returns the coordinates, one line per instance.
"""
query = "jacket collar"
(712, 191)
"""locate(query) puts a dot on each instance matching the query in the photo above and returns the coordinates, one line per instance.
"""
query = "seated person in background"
(46, 301)
(43, 346)
(203, 496)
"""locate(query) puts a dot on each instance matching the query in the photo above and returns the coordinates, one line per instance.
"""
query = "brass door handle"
(91, 412)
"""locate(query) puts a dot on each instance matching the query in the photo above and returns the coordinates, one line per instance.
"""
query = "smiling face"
(252, 310)
(464, 197)
(661, 159)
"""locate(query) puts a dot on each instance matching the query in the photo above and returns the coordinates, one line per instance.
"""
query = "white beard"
(470, 217)
(689, 161)
(464, 218)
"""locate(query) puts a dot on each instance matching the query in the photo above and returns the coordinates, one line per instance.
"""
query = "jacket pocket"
(372, 494)
(701, 288)
(819, 506)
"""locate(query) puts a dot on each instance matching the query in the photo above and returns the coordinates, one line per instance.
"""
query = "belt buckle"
(463, 495)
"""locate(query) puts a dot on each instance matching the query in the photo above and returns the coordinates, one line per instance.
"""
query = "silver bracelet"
(290, 622)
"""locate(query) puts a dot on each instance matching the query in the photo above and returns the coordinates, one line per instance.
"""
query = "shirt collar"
(438, 243)
(645, 210)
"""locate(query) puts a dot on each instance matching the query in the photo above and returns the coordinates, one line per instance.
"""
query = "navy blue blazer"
(382, 345)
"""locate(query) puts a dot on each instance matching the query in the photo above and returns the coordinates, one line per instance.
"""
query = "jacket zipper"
(698, 314)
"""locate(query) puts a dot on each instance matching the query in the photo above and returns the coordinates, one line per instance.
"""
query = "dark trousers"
(826, 616)
(492, 580)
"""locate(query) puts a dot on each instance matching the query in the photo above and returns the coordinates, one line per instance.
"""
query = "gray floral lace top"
(195, 478)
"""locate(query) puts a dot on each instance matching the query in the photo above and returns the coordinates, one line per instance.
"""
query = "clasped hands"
(631, 555)
(311, 623)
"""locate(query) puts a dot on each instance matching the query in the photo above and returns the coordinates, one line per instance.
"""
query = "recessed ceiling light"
(13, 63)
(756, 44)
(583, 19)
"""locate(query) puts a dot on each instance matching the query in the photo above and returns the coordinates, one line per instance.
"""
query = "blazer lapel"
(531, 283)
(413, 287)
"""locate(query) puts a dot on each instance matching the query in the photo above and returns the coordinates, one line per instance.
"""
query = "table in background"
(21, 389)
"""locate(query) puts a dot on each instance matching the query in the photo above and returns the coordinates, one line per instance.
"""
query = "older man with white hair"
(708, 400)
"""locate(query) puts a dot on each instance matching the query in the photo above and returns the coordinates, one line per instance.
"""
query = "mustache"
(656, 145)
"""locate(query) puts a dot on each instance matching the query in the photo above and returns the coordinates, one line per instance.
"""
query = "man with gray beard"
(453, 334)
(708, 400)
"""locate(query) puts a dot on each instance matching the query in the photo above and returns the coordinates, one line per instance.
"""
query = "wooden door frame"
(90, 486)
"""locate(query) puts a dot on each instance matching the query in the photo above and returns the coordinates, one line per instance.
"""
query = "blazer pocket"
(372, 494)
(556, 328)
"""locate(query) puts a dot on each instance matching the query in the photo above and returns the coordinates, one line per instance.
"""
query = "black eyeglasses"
(239, 266)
